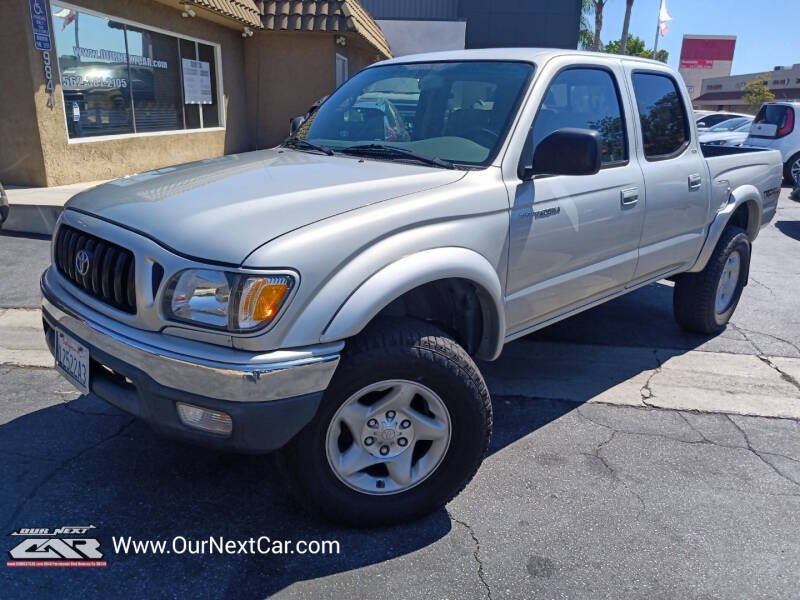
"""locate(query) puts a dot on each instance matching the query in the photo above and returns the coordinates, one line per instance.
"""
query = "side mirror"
(566, 151)
(294, 124)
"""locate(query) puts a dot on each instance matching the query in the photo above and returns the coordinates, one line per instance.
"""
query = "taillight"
(788, 124)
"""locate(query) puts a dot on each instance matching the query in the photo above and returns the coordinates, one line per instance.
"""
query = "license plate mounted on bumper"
(72, 361)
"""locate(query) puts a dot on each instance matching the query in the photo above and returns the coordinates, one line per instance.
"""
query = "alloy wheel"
(388, 437)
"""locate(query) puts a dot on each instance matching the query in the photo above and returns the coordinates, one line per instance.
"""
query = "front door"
(574, 239)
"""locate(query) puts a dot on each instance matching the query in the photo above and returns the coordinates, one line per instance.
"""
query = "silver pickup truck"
(328, 298)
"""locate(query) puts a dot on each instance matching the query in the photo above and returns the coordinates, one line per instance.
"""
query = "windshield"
(456, 111)
(731, 124)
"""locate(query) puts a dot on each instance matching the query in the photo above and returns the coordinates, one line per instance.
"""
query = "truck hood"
(224, 208)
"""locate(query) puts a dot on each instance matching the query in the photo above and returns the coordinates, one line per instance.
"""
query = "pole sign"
(41, 25)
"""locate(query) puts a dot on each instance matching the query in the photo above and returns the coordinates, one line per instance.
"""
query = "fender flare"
(414, 270)
(746, 194)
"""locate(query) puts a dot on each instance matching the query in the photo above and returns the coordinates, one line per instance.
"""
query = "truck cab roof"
(534, 55)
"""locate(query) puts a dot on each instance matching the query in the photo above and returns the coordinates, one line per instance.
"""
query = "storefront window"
(119, 78)
(156, 81)
(205, 53)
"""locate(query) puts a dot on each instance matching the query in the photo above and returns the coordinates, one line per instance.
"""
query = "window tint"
(665, 129)
(586, 99)
(157, 102)
(210, 111)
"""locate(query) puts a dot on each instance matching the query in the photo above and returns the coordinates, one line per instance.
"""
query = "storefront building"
(97, 89)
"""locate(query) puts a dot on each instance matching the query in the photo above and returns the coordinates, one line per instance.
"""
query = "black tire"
(695, 293)
(787, 170)
(394, 349)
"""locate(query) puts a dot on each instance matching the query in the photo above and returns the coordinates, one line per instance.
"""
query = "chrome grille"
(109, 274)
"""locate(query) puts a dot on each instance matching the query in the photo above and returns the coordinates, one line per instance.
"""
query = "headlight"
(222, 300)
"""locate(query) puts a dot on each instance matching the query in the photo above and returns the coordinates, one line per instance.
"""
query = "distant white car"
(732, 132)
(776, 126)
(710, 120)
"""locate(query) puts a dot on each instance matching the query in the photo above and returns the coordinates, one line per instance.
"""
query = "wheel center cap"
(387, 435)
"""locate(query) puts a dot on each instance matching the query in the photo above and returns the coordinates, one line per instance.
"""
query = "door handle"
(695, 181)
(629, 197)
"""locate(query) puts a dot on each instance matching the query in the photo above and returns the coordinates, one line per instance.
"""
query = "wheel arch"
(458, 269)
(743, 210)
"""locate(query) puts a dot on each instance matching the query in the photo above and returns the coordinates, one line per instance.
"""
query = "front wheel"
(704, 302)
(401, 429)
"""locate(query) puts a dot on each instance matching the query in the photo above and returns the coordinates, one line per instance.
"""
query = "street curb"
(32, 218)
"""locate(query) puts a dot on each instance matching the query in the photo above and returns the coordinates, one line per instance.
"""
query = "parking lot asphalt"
(24, 259)
(578, 498)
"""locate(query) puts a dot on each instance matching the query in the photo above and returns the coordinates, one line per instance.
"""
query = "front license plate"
(72, 361)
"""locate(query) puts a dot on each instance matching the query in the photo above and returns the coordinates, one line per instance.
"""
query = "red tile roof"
(325, 15)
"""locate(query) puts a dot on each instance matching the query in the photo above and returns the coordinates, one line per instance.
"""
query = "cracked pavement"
(629, 460)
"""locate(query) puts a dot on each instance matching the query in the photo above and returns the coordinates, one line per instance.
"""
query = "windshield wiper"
(304, 144)
(384, 151)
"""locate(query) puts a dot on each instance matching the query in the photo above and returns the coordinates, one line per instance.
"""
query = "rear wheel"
(704, 302)
(791, 170)
(401, 429)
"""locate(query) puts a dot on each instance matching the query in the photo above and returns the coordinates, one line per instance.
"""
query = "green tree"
(756, 91)
(636, 47)
(585, 33)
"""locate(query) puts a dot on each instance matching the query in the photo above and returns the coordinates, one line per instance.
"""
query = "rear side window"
(665, 127)
(782, 117)
(586, 99)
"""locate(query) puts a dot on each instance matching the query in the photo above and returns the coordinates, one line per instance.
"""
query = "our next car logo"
(82, 263)
(65, 546)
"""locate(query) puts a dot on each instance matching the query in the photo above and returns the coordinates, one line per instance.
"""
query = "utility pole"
(658, 30)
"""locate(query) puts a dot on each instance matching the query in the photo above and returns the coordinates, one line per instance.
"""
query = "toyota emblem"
(82, 263)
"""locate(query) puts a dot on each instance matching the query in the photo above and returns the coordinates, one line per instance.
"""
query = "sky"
(767, 31)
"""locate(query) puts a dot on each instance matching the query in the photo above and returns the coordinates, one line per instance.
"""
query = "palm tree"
(625, 25)
(585, 33)
(598, 23)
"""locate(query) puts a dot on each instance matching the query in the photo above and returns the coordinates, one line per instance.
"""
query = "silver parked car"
(732, 132)
(706, 122)
(329, 298)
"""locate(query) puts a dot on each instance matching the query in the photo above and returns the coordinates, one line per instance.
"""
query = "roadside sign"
(41, 24)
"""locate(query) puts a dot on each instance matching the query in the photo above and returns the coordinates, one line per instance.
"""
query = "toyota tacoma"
(328, 298)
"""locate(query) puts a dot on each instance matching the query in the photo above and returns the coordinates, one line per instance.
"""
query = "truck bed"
(743, 165)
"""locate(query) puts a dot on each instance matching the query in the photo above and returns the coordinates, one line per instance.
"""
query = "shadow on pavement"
(790, 228)
(85, 462)
(28, 236)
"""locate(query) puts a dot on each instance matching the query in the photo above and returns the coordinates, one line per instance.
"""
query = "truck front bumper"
(269, 397)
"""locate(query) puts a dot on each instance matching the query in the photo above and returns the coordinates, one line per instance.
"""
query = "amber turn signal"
(261, 299)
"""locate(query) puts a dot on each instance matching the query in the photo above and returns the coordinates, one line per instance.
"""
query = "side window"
(665, 128)
(587, 99)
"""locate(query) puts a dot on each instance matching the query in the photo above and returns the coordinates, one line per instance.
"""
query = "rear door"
(574, 239)
(676, 180)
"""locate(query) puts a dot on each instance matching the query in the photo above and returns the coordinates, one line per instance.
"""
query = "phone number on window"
(76, 81)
